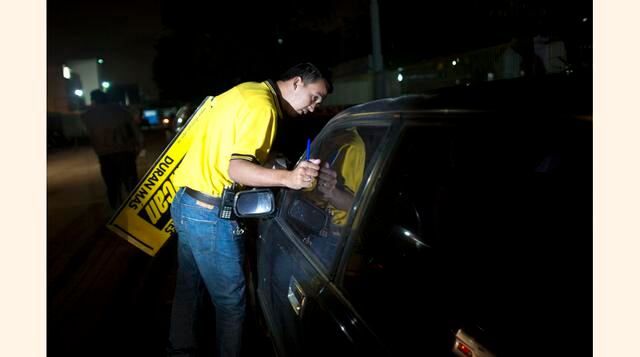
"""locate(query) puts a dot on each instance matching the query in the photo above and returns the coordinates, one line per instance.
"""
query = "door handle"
(296, 296)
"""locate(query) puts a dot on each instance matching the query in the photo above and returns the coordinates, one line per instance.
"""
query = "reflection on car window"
(318, 215)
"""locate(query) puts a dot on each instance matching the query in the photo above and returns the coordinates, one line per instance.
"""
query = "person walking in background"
(116, 141)
(229, 147)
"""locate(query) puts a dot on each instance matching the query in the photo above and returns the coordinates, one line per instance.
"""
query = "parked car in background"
(458, 223)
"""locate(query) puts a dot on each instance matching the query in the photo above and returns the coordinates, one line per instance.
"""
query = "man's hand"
(250, 174)
(337, 195)
(327, 180)
(304, 174)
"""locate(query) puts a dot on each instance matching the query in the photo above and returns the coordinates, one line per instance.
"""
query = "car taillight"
(464, 349)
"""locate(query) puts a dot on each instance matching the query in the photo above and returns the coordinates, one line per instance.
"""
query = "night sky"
(123, 33)
(189, 47)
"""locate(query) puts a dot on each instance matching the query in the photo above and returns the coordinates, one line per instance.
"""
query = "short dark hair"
(99, 96)
(309, 74)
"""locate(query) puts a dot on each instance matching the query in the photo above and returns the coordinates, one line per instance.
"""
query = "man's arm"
(250, 174)
(340, 198)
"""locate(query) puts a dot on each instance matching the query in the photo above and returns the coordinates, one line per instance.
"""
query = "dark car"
(456, 223)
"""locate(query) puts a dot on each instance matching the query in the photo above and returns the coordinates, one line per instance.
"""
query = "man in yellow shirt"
(229, 148)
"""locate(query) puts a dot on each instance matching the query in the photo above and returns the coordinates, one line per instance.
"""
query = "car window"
(459, 212)
(319, 215)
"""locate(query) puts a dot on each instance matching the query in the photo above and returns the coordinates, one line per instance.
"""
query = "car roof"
(560, 93)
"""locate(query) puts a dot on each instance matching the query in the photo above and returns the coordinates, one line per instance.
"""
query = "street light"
(78, 92)
(100, 61)
(106, 85)
(66, 72)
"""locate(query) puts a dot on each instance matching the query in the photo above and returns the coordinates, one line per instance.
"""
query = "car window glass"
(460, 211)
(319, 215)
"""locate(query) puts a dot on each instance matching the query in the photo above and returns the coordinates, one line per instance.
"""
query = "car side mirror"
(257, 202)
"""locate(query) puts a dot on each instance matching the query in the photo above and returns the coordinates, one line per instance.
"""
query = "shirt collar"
(275, 91)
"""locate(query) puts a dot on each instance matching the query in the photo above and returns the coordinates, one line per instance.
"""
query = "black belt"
(203, 197)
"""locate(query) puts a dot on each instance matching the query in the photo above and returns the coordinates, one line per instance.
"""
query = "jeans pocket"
(200, 234)
(199, 227)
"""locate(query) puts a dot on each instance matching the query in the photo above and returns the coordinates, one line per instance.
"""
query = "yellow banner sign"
(144, 219)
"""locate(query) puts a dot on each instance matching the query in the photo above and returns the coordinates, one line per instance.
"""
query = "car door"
(298, 250)
(474, 238)
(395, 273)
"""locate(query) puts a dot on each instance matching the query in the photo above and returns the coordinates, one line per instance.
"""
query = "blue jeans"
(209, 254)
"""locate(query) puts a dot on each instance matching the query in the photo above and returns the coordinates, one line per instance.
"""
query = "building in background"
(57, 91)
(69, 86)
(87, 76)
(354, 80)
(125, 94)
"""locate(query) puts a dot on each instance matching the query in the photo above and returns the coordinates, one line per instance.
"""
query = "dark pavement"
(106, 297)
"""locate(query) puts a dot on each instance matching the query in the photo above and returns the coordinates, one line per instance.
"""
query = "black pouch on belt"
(226, 203)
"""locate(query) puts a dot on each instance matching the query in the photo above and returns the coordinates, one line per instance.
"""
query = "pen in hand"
(308, 148)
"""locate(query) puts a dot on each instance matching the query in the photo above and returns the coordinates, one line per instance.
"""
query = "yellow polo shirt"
(349, 162)
(241, 125)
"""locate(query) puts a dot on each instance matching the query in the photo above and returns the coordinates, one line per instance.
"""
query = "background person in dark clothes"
(116, 141)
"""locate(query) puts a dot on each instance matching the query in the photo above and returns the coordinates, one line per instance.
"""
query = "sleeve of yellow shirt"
(254, 134)
(352, 166)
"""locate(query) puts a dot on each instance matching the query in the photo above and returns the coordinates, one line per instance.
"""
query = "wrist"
(287, 178)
